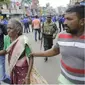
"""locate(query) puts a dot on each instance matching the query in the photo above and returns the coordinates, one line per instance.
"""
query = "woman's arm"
(30, 65)
(27, 81)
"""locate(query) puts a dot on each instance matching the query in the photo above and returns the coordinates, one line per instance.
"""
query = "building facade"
(72, 2)
(13, 8)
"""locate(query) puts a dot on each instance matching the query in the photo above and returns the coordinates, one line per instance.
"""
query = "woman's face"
(11, 31)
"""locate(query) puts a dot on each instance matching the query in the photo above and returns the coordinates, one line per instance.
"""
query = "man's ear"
(18, 31)
(82, 22)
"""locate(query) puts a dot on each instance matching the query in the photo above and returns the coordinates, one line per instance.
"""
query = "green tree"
(4, 1)
(7, 2)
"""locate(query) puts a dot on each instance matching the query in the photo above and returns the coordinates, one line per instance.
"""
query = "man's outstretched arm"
(48, 53)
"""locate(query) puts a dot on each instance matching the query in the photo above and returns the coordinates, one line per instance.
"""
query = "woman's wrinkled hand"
(27, 80)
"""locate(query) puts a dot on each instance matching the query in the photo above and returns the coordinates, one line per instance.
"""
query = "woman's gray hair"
(17, 25)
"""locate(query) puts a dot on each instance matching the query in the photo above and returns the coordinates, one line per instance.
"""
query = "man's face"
(72, 23)
(49, 19)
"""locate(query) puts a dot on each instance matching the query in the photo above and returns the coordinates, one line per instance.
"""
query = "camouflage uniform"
(48, 30)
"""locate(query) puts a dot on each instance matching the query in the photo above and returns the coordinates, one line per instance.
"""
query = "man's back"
(36, 23)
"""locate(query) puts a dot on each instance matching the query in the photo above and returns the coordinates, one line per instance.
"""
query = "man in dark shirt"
(3, 76)
(3, 31)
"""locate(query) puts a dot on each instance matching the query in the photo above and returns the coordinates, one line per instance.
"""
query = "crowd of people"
(70, 43)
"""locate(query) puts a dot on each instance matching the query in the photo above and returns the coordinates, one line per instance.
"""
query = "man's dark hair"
(49, 16)
(36, 16)
(79, 9)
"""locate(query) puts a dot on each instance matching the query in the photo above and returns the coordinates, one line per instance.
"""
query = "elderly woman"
(17, 46)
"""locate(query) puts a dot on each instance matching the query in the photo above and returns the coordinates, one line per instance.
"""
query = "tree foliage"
(4, 1)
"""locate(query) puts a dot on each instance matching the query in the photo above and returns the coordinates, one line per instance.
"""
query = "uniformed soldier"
(48, 29)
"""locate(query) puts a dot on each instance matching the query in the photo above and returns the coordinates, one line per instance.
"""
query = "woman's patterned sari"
(19, 66)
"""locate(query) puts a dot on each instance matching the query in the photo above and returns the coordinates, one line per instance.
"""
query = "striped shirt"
(73, 57)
